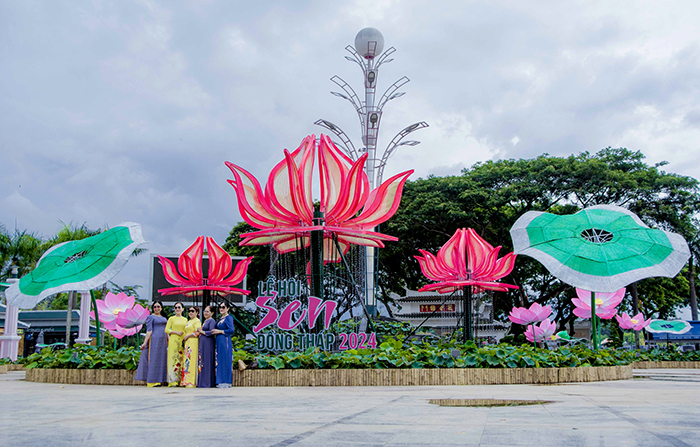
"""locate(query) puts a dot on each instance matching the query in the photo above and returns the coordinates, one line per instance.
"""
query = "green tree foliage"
(490, 197)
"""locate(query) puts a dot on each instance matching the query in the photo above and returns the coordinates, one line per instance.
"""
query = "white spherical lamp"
(369, 43)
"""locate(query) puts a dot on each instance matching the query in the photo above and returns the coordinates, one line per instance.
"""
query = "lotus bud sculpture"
(466, 260)
(188, 277)
(284, 210)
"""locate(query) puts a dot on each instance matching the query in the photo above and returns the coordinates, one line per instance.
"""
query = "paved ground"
(638, 412)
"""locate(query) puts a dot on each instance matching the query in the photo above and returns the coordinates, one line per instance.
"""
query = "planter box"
(7, 368)
(427, 377)
(358, 377)
(83, 376)
(660, 365)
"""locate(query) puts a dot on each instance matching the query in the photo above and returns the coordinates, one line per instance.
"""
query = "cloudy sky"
(126, 110)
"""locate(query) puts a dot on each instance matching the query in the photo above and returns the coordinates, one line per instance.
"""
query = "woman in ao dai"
(153, 365)
(224, 348)
(191, 350)
(207, 349)
(175, 330)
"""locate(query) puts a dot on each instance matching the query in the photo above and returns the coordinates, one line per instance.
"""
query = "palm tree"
(21, 249)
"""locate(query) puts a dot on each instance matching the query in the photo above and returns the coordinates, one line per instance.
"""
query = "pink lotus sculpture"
(535, 314)
(466, 260)
(545, 331)
(637, 322)
(284, 212)
(119, 314)
(190, 277)
(605, 303)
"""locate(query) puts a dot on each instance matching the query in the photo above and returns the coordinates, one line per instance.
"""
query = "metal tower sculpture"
(368, 54)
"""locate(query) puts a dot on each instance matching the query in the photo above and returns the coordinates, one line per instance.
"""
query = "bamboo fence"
(4, 369)
(665, 364)
(358, 377)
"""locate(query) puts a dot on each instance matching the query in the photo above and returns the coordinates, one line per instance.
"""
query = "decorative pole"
(594, 324)
(367, 53)
(317, 257)
(467, 331)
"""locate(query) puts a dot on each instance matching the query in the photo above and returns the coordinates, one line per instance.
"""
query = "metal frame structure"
(370, 115)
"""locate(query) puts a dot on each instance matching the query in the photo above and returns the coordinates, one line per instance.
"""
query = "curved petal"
(219, 261)
(170, 272)
(477, 250)
(333, 169)
(383, 202)
(254, 207)
(353, 195)
(190, 261)
(238, 273)
(452, 255)
(284, 190)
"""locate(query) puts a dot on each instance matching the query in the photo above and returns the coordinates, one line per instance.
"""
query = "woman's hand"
(217, 331)
(143, 346)
(177, 332)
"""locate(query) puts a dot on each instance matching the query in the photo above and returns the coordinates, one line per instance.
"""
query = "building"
(441, 314)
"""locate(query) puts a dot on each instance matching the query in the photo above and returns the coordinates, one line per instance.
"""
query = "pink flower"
(637, 322)
(466, 260)
(190, 277)
(133, 318)
(605, 303)
(284, 212)
(535, 313)
(544, 332)
(116, 310)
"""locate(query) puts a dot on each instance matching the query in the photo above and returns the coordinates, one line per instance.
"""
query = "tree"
(21, 249)
(490, 196)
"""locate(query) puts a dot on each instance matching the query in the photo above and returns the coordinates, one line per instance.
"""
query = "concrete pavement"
(638, 412)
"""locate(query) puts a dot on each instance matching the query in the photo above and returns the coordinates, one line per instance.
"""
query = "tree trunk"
(635, 310)
(693, 296)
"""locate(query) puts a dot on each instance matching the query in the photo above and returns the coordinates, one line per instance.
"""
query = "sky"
(127, 110)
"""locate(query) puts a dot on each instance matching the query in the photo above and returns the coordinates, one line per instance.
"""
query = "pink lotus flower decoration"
(637, 322)
(605, 303)
(285, 211)
(544, 332)
(190, 277)
(466, 260)
(524, 316)
(119, 314)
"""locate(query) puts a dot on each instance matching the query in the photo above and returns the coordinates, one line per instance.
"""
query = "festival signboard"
(302, 323)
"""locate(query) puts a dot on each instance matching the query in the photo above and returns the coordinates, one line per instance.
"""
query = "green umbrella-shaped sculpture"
(77, 265)
(602, 248)
(668, 327)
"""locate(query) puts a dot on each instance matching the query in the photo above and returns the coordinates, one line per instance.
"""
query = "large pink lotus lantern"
(120, 315)
(284, 212)
(605, 303)
(637, 322)
(466, 260)
(190, 277)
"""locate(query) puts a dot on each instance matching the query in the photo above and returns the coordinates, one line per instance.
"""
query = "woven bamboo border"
(666, 364)
(358, 377)
(4, 369)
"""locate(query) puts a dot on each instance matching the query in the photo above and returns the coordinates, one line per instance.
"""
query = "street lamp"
(369, 55)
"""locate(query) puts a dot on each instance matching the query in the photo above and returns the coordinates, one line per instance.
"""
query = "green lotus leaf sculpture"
(77, 265)
(668, 327)
(602, 248)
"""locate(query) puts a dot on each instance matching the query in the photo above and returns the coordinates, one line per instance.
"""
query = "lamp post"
(369, 55)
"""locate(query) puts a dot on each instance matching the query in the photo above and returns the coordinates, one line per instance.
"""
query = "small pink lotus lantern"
(119, 314)
(535, 314)
(466, 260)
(284, 212)
(605, 303)
(190, 277)
(542, 332)
(637, 322)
